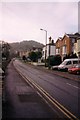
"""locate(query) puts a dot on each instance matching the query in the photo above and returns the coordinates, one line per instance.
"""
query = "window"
(75, 62)
(68, 63)
(64, 50)
(58, 44)
(57, 50)
(65, 41)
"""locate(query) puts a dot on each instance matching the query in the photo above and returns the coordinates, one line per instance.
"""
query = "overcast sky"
(23, 20)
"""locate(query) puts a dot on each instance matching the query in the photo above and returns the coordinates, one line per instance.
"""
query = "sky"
(22, 20)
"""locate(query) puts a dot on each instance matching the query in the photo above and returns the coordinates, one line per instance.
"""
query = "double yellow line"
(49, 98)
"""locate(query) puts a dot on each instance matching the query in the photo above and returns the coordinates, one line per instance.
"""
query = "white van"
(68, 63)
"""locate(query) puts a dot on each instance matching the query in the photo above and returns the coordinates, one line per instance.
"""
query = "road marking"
(52, 100)
(47, 95)
(73, 86)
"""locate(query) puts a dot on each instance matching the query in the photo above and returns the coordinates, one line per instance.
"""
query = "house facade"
(66, 45)
(26, 52)
(23, 53)
(49, 50)
(58, 46)
(77, 47)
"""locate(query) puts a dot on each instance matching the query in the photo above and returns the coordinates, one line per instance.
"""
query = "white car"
(68, 63)
(55, 67)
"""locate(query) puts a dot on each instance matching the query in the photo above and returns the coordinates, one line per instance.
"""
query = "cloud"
(24, 20)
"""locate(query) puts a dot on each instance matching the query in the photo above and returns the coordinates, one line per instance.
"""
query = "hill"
(25, 45)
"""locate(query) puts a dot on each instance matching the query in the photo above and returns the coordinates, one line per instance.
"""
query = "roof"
(72, 59)
(59, 39)
(76, 35)
(78, 38)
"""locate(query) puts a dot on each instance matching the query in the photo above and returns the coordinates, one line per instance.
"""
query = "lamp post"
(45, 45)
(49, 51)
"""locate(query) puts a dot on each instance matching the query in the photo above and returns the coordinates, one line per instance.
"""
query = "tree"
(39, 54)
(34, 56)
(5, 55)
(6, 51)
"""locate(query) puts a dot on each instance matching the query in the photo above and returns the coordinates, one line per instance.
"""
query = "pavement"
(22, 101)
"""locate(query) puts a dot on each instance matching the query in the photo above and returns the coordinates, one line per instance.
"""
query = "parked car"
(68, 63)
(75, 69)
(54, 67)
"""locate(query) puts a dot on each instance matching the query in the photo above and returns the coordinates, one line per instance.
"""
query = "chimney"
(50, 39)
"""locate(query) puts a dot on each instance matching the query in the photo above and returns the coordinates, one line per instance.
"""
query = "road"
(21, 101)
(63, 91)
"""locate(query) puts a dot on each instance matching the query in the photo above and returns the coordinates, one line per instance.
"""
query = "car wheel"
(78, 72)
(66, 69)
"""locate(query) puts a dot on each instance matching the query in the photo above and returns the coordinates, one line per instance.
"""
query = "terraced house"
(77, 47)
(68, 44)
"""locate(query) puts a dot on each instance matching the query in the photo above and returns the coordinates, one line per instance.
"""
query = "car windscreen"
(64, 63)
(68, 63)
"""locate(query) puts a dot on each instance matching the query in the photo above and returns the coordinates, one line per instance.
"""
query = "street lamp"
(45, 45)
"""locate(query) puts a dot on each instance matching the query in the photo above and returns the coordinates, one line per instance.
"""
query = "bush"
(72, 55)
(24, 57)
(54, 60)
